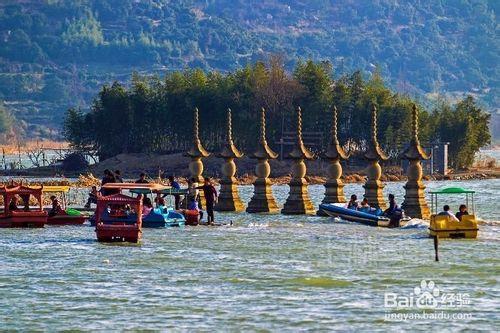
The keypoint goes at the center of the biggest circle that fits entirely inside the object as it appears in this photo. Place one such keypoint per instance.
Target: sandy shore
(131, 165)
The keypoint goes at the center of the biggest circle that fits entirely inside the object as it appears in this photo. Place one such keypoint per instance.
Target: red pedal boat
(26, 217)
(65, 216)
(119, 218)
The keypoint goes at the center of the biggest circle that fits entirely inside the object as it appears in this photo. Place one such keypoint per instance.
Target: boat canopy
(56, 189)
(136, 187)
(452, 190)
(171, 190)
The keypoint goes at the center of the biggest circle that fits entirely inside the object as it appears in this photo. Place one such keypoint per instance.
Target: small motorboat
(163, 217)
(443, 226)
(373, 217)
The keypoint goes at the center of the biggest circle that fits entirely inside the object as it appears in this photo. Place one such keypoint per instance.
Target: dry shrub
(87, 180)
(485, 162)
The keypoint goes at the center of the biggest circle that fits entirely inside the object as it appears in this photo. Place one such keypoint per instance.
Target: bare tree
(36, 155)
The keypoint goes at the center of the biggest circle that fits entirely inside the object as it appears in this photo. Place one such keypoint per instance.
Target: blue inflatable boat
(373, 217)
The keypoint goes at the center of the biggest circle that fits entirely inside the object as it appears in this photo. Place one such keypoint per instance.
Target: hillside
(56, 54)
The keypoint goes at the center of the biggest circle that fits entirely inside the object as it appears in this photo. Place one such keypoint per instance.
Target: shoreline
(131, 165)
(88, 180)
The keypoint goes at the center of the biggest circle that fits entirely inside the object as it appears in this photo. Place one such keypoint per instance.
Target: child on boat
(193, 205)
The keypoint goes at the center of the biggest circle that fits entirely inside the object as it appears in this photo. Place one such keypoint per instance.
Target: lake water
(267, 272)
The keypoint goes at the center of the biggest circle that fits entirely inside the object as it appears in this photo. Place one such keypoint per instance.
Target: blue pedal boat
(163, 217)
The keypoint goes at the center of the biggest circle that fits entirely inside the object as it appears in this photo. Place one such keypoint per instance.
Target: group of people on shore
(193, 199)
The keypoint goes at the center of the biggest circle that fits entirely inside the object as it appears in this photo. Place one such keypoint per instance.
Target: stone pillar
(334, 187)
(197, 153)
(298, 201)
(373, 186)
(229, 198)
(414, 203)
(263, 200)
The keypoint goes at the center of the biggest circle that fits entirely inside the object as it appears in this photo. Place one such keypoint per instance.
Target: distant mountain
(56, 53)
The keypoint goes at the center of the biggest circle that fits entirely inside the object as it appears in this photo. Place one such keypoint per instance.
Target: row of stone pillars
(298, 201)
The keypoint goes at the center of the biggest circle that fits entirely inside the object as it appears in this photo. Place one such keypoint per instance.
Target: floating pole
(436, 246)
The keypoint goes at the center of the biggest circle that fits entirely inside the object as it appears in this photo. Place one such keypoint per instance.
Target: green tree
(466, 128)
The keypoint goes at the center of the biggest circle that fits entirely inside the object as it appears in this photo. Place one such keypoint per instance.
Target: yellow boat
(443, 226)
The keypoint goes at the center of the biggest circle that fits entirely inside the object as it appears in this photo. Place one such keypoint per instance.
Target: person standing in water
(175, 186)
(210, 198)
(193, 192)
(109, 177)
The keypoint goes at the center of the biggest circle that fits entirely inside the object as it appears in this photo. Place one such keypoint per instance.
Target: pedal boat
(22, 218)
(114, 223)
(163, 216)
(66, 216)
(443, 226)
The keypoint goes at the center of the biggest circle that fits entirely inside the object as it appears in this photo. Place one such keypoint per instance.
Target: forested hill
(56, 53)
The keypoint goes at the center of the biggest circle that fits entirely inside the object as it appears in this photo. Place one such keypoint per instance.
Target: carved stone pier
(373, 186)
(414, 203)
(229, 198)
(197, 153)
(263, 200)
(334, 187)
(298, 201)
